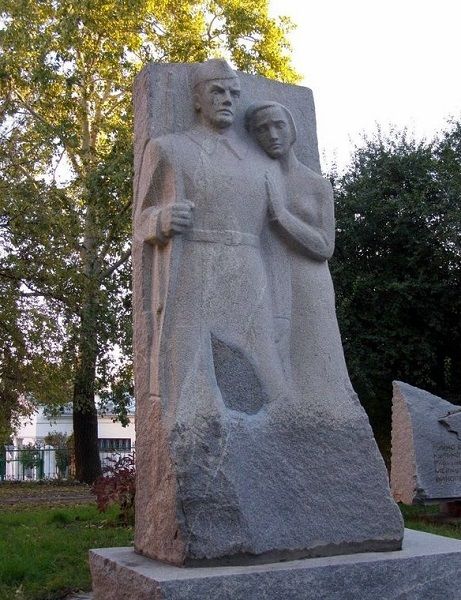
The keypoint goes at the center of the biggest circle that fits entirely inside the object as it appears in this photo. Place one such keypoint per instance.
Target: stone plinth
(427, 568)
(426, 447)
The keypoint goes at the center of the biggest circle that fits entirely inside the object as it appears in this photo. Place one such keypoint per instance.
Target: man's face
(272, 131)
(217, 101)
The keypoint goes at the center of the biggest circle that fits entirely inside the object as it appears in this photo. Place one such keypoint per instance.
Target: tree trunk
(85, 417)
(87, 461)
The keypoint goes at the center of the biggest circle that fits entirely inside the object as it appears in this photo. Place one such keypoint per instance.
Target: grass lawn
(44, 550)
(414, 519)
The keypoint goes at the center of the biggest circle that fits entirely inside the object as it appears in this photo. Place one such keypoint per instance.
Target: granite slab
(427, 568)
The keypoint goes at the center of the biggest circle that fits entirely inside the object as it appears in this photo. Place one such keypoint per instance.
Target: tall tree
(397, 267)
(66, 71)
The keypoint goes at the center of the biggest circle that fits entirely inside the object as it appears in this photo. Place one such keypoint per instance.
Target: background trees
(66, 72)
(397, 267)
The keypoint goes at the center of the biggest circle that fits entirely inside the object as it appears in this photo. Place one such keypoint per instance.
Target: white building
(29, 458)
(111, 435)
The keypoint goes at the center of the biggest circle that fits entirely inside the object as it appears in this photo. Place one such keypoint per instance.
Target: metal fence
(32, 463)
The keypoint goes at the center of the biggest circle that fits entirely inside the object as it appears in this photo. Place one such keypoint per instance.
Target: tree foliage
(397, 266)
(66, 72)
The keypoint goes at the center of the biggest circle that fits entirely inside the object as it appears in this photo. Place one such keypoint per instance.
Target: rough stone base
(427, 568)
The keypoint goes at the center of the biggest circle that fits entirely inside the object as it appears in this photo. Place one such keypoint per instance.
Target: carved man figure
(204, 188)
(213, 353)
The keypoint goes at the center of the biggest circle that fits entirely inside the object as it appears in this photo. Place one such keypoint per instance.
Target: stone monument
(426, 447)
(252, 444)
(252, 447)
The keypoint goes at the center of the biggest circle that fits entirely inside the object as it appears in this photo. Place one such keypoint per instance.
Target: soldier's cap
(215, 68)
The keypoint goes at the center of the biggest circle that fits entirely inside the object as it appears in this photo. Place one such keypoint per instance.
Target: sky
(396, 62)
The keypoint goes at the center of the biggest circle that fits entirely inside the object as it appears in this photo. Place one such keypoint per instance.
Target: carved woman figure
(329, 434)
(301, 204)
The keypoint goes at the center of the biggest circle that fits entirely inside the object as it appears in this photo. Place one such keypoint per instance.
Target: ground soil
(16, 494)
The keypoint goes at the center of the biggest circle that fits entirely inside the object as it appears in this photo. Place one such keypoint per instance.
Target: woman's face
(272, 130)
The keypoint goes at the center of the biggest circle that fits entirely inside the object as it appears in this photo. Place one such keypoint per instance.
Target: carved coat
(209, 300)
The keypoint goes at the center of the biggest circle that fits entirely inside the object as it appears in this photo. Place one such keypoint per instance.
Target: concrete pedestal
(427, 568)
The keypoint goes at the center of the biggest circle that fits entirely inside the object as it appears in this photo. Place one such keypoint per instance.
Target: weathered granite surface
(427, 568)
(426, 446)
(251, 443)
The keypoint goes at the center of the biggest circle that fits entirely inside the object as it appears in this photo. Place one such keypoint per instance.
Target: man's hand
(175, 218)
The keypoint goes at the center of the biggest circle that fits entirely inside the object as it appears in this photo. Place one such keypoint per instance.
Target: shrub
(30, 457)
(56, 439)
(60, 442)
(117, 486)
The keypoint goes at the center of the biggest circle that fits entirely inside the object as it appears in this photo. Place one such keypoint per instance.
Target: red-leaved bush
(117, 486)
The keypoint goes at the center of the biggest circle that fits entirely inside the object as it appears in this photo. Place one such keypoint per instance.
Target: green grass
(44, 551)
(413, 514)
